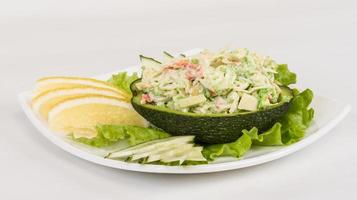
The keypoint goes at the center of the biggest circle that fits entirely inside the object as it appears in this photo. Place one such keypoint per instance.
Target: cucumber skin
(208, 129)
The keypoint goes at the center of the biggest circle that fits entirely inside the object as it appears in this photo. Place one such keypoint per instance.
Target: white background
(87, 37)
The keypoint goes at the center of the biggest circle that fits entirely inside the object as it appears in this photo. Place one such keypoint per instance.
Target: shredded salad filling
(228, 81)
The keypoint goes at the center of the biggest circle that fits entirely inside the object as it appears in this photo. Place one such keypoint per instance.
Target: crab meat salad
(223, 82)
(180, 110)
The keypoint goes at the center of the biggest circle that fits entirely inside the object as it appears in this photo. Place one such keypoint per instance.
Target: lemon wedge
(45, 100)
(80, 115)
(53, 82)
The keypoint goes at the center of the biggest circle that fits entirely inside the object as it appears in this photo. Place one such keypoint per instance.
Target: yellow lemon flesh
(76, 105)
(45, 100)
(80, 115)
(50, 83)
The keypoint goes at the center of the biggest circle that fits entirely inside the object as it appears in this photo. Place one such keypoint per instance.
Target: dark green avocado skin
(208, 129)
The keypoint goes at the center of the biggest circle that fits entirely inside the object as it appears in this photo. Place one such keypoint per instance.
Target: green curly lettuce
(271, 137)
(123, 81)
(292, 126)
(234, 149)
(110, 134)
(284, 76)
(298, 117)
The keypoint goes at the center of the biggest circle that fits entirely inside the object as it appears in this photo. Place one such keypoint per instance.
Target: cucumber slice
(167, 57)
(154, 151)
(182, 55)
(175, 154)
(180, 156)
(149, 62)
(193, 154)
(176, 149)
(196, 155)
(152, 145)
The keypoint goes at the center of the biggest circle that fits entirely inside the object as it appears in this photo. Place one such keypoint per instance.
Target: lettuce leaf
(298, 117)
(284, 76)
(291, 126)
(271, 137)
(110, 134)
(235, 149)
(123, 81)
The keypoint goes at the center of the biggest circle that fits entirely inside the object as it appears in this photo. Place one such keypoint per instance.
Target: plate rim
(197, 169)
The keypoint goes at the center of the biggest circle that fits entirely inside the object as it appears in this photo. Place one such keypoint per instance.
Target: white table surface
(87, 37)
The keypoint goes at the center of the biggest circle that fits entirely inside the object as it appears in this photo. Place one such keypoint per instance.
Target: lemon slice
(87, 111)
(43, 102)
(50, 83)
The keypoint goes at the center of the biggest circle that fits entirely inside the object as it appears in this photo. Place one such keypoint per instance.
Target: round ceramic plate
(328, 114)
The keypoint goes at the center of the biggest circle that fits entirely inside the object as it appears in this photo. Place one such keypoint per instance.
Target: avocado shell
(209, 128)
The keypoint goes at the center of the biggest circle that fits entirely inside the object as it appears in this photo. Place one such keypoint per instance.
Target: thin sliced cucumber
(149, 62)
(154, 151)
(180, 155)
(168, 57)
(178, 149)
(192, 154)
(182, 55)
(173, 154)
(196, 155)
(152, 145)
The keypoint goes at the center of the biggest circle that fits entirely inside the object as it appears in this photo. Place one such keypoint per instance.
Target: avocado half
(209, 128)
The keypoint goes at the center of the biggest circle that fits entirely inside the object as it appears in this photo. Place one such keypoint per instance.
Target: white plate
(328, 114)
